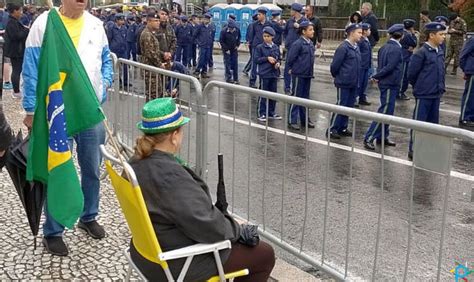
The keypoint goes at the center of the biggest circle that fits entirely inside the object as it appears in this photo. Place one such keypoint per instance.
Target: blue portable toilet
(235, 10)
(270, 9)
(246, 13)
(218, 17)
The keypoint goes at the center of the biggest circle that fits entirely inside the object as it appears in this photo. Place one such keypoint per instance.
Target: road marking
(456, 174)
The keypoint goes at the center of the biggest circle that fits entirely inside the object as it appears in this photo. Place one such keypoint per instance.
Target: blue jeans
(183, 53)
(132, 50)
(204, 54)
(89, 158)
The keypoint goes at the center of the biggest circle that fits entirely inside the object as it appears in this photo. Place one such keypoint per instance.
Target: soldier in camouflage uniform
(457, 30)
(166, 37)
(424, 19)
(150, 46)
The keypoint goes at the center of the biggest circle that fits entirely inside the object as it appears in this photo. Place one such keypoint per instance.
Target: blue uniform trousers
(467, 103)
(124, 78)
(194, 54)
(345, 97)
(253, 72)
(268, 84)
(286, 75)
(183, 54)
(231, 65)
(301, 87)
(363, 81)
(204, 53)
(425, 110)
(248, 65)
(210, 60)
(132, 50)
(404, 81)
(387, 106)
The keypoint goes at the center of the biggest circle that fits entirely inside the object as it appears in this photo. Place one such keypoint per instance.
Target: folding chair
(145, 241)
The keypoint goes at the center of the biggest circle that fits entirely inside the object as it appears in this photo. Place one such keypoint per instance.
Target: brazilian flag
(66, 104)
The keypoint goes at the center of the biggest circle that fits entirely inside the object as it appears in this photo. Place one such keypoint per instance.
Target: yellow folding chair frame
(133, 206)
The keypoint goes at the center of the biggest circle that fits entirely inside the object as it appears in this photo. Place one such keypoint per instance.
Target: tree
(425, 4)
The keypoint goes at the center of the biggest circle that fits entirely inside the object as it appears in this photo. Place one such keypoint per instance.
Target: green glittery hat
(161, 115)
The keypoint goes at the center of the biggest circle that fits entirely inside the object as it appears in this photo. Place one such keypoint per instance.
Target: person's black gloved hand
(249, 235)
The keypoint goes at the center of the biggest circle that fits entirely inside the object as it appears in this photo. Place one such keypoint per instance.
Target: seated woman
(180, 205)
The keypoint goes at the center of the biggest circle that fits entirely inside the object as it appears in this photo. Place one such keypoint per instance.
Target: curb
(286, 272)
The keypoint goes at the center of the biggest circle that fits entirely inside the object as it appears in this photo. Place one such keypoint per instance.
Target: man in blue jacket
(466, 62)
(291, 35)
(409, 43)
(365, 64)
(426, 74)
(388, 76)
(344, 68)
(132, 37)
(230, 42)
(204, 35)
(248, 66)
(117, 36)
(194, 24)
(278, 26)
(184, 39)
(256, 38)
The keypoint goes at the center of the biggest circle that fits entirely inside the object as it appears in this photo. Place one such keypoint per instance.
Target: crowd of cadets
(398, 63)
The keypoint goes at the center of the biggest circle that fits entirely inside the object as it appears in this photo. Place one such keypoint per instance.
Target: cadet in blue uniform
(230, 42)
(291, 35)
(184, 39)
(388, 76)
(409, 43)
(466, 62)
(300, 62)
(365, 64)
(278, 26)
(443, 20)
(426, 74)
(131, 37)
(210, 61)
(117, 36)
(204, 35)
(346, 60)
(194, 24)
(256, 38)
(267, 57)
(248, 66)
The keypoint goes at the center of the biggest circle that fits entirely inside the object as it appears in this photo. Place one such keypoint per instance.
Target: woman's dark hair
(300, 30)
(355, 18)
(11, 7)
(397, 35)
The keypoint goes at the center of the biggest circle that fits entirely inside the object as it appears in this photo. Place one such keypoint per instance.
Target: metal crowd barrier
(125, 102)
(307, 202)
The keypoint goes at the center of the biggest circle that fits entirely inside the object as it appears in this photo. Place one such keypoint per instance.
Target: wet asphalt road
(313, 180)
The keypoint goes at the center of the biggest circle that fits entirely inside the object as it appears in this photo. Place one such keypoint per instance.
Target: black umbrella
(32, 194)
(221, 202)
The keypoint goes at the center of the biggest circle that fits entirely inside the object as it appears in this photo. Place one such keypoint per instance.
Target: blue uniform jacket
(426, 72)
(466, 60)
(230, 40)
(204, 35)
(184, 34)
(300, 58)
(117, 39)
(290, 33)
(389, 71)
(408, 40)
(265, 69)
(255, 33)
(345, 65)
(132, 32)
(365, 54)
(278, 39)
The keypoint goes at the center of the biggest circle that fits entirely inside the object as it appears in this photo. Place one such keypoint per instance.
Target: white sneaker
(17, 95)
(276, 117)
(262, 118)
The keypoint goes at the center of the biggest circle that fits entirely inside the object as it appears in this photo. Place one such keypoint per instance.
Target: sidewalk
(89, 259)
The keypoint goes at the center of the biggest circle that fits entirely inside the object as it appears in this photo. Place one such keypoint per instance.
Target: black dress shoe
(55, 246)
(410, 156)
(466, 123)
(94, 229)
(346, 132)
(364, 103)
(310, 125)
(333, 135)
(387, 142)
(369, 145)
(293, 126)
(204, 75)
(403, 97)
(229, 81)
